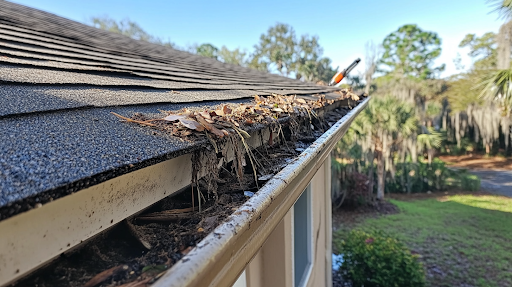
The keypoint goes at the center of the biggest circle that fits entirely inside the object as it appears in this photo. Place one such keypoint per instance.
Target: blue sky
(343, 26)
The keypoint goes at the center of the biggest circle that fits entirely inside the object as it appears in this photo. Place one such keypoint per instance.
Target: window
(302, 238)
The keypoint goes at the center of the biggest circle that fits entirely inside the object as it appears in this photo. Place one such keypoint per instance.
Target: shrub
(422, 177)
(470, 182)
(377, 260)
(357, 189)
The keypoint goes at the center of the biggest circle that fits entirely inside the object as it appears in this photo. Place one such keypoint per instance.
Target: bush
(469, 182)
(357, 189)
(422, 177)
(377, 260)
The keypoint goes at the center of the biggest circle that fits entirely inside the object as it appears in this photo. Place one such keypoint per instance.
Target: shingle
(60, 81)
(42, 152)
(21, 99)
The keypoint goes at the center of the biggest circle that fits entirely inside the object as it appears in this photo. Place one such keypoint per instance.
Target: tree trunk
(409, 179)
(430, 155)
(503, 51)
(371, 180)
(380, 176)
(487, 148)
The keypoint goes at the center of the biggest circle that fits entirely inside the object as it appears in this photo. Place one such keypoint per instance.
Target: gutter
(222, 256)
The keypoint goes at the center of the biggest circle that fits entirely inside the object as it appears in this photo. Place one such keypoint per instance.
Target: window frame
(304, 279)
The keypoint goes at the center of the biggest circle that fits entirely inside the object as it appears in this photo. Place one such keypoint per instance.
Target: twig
(212, 142)
(133, 121)
(199, 196)
(250, 158)
(192, 191)
(137, 235)
(99, 278)
(163, 216)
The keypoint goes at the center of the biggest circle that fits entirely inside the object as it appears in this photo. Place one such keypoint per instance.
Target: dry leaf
(219, 112)
(210, 127)
(191, 124)
(226, 110)
(277, 110)
(173, 118)
(205, 115)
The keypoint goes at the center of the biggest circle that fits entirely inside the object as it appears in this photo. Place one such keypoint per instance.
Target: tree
(275, 49)
(382, 128)
(324, 70)
(236, 57)
(279, 50)
(483, 49)
(428, 141)
(371, 60)
(207, 50)
(411, 52)
(306, 57)
(503, 8)
(128, 28)
(498, 87)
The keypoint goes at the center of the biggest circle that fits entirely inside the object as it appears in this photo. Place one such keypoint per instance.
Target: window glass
(302, 237)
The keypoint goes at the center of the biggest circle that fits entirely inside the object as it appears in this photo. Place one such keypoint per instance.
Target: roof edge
(232, 245)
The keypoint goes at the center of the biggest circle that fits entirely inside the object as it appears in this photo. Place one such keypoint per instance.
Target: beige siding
(273, 264)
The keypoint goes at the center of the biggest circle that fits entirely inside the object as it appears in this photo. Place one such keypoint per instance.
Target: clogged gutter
(137, 252)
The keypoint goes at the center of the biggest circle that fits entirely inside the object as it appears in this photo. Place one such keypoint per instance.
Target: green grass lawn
(463, 240)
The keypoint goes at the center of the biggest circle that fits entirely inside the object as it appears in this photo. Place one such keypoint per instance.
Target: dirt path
(495, 172)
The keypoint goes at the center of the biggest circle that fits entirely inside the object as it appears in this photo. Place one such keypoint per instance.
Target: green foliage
(386, 115)
(461, 91)
(280, 50)
(411, 52)
(498, 87)
(469, 182)
(482, 49)
(503, 8)
(128, 28)
(423, 177)
(207, 50)
(276, 47)
(235, 57)
(377, 260)
(431, 139)
(465, 238)
(381, 129)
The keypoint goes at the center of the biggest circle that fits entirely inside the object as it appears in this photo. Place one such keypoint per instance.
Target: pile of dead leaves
(234, 118)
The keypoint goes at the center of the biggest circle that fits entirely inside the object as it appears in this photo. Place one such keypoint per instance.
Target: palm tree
(504, 8)
(381, 128)
(498, 87)
(429, 141)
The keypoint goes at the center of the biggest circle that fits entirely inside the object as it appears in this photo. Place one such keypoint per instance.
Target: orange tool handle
(340, 75)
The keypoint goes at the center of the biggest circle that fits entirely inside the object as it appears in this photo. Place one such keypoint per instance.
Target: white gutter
(222, 256)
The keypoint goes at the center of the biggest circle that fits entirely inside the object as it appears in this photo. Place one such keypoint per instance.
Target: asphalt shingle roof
(59, 81)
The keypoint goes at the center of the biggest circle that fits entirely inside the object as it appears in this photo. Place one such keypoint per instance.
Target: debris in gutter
(105, 275)
(175, 225)
(234, 118)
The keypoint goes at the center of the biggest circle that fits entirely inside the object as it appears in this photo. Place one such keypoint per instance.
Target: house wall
(274, 263)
